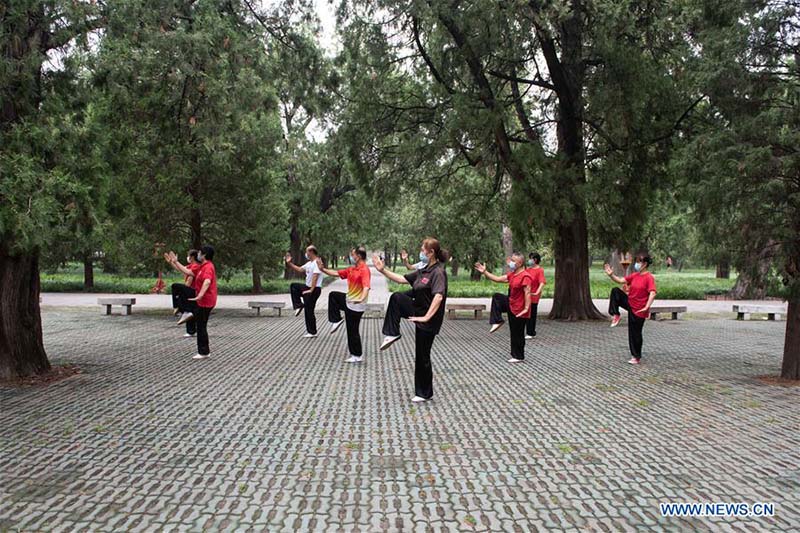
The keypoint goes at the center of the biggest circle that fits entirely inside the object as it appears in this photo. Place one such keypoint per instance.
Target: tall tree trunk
(508, 241)
(88, 271)
(790, 369)
(455, 265)
(572, 299)
(723, 270)
(21, 348)
(752, 281)
(296, 249)
(196, 226)
(616, 263)
(257, 288)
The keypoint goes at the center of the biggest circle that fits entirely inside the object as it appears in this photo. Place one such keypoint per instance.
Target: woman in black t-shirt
(424, 305)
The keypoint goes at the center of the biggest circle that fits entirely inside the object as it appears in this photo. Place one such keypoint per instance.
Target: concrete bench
(477, 309)
(374, 311)
(773, 312)
(275, 306)
(126, 304)
(674, 310)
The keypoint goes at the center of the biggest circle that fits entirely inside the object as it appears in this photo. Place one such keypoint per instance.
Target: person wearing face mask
(354, 303)
(305, 296)
(640, 297)
(423, 305)
(206, 299)
(416, 266)
(537, 275)
(181, 292)
(517, 303)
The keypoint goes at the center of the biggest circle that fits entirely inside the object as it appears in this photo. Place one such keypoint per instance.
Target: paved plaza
(274, 432)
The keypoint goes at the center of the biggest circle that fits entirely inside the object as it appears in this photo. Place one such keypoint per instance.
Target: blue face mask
(512, 266)
(423, 258)
(637, 267)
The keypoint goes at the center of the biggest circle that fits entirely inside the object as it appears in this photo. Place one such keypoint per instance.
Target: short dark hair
(646, 259)
(361, 252)
(536, 257)
(193, 254)
(208, 252)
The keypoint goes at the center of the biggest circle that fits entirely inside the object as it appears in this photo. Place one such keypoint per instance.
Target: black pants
(516, 326)
(337, 303)
(307, 303)
(619, 300)
(423, 370)
(180, 300)
(530, 326)
(201, 320)
(401, 305)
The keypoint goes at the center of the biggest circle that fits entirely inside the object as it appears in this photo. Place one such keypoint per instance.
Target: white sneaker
(514, 360)
(495, 327)
(336, 325)
(419, 399)
(354, 359)
(185, 317)
(200, 356)
(298, 311)
(388, 341)
(188, 335)
(309, 335)
(528, 337)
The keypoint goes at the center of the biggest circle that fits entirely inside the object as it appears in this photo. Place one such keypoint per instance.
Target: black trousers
(201, 317)
(401, 305)
(337, 304)
(180, 300)
(423, 369)
(617, 301)
(530, 326)
(307, 303)
(516, 326)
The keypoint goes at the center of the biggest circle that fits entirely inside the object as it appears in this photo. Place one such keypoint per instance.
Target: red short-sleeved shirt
(517, 281)
(207, 271)
(195, 268)
(641, 285)
(358, 279)
(537, 275)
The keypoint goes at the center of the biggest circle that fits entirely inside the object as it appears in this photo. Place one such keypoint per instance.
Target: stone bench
(477, 309)
(275, 306)
(374, 311)
(126, 304)
(675, 310)
(773, 312)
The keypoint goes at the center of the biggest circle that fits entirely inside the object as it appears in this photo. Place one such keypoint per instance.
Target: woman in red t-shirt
(517, 303)
(641, 293)
(206, 299)
(537, 275)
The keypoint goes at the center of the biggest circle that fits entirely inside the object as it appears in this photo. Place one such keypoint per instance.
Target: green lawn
(71, 280)
(686, 285)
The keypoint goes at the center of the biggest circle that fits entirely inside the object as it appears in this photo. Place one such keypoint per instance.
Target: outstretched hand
(378, 262)
(403, 255)
(170, 257)
(320, 264)
(419, 319)
(608, 269)
(288, 258)
(480, 267)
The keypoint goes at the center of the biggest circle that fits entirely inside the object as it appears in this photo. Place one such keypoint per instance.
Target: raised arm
(288, 259)
(328, 271)
(380, 266)
(483, 270)
(610, 273)
(172, 258)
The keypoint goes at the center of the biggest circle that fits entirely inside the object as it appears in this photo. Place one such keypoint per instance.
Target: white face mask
(512, 266)
(637, 267)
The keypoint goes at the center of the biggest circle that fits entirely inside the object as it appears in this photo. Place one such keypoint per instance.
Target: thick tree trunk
(455, 265)
(296, 249)
(508, 241)
(572, 299)
(790, 369)
(616, 263)
(88, 271)
(196, 226)
(21, 348)
(723, 270)
(257, 288)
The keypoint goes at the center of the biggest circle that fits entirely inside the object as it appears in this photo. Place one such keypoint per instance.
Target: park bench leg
(478, 314)
(127, 310)
(652, 316)
(449, 314)
(674, 316)
(107, 310)
(777, 316)
(258, 311)
(279, 312)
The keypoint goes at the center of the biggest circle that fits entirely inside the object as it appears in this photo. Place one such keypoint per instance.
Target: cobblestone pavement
(274, 432)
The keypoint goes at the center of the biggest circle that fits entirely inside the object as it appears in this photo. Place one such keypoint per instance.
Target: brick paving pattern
(274, 432)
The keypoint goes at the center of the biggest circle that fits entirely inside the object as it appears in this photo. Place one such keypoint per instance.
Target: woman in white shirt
(305, 296)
